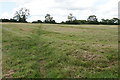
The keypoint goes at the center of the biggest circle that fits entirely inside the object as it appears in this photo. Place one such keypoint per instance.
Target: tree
(92, 19)
(8, 20)
(13, 20)
(115, 20)
(49, 19)
(71, 17)
(22, 15)
(104, 21)
(38, 21)
(62, 22)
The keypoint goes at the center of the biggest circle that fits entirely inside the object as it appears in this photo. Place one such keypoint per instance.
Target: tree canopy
(22, 15)
(49, 19)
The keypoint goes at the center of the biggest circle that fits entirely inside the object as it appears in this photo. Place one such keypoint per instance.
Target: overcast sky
(60, 9)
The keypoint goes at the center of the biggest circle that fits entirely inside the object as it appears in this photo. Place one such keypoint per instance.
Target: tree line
(22, 15)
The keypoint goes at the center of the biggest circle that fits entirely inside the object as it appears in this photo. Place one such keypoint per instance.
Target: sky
(60, 9)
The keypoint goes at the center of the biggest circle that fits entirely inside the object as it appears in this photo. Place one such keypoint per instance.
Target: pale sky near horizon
(60, 9)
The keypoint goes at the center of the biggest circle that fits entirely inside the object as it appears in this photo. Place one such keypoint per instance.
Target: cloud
(59, 9)
(6, 15)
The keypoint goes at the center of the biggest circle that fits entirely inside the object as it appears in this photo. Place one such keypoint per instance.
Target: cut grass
(59, 51)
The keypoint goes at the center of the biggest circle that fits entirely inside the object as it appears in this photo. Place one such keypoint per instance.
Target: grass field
(60, 51)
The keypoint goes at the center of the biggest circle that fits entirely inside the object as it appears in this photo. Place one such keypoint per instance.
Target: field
(60, 51)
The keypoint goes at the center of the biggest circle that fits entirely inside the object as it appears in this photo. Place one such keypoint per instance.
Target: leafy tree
(76, 22)
(38, 21)
(62, 22)
(83, 21)
(13, 20)
(8, 20)
(104, 21)
(49, 19)
(22, 15)
(71, 17)
(115, 20)
(92, 19)
(4, 20)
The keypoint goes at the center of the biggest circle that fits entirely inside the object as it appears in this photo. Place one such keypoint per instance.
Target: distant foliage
(92, 19)
(114, 21)
(8, 20)
(22, 15)
(71, 17)
(75, 22)
(38, 21)
(49, 19)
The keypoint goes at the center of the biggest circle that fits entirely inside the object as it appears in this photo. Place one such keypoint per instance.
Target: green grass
(60, 51)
